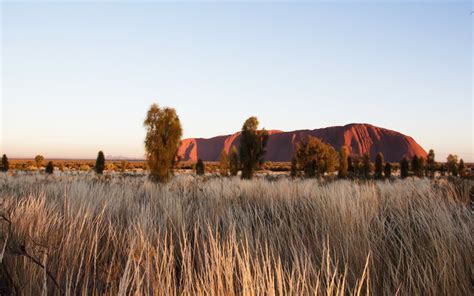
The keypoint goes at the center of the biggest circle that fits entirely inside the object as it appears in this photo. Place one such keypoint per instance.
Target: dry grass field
(84, 235)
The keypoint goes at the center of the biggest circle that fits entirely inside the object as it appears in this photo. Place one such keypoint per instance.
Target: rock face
(360, 138)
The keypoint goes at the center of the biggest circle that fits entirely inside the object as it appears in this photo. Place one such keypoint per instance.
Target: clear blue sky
(80, 77)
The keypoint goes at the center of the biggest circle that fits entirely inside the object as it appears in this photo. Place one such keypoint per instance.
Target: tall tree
(379, 166)
(162, 141)
(404, 168)
(315, 157)
(200, 167)
(252, 147)
(100, 163)
(223, 163)
(387, 171)
(431, 164)
(5, 165)
(39, 160)
(452, 163)
(343, 162)
(49, 168)
(233, 161)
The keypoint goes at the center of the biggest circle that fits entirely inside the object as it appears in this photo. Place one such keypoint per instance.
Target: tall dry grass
(126, 236)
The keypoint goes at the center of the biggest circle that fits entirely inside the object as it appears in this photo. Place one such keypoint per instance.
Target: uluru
(361, 138)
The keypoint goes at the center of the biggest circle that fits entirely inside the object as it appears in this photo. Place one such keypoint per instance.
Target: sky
(78, 77)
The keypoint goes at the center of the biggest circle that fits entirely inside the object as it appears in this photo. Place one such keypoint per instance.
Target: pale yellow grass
(127, 236)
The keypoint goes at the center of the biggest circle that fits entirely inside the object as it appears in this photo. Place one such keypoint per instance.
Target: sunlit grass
(230, 237)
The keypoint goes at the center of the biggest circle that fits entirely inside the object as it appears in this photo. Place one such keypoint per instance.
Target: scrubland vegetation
(337, 224)
(89, 234)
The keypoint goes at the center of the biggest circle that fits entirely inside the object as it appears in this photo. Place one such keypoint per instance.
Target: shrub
(417, 165)
(388, 170)
(5, 166)
(452, 163)
(366, 166)
(294, 167)
(315, 157)
(379, 162)
(84, 167)
(123, 166)
(431, 164)
(39, 160)
(404, 168)
(233, 161)
(343, 162)
(49, 168)
(223, 163)
(200, 167)
(162, 141)
(100, 163)
(461, 168)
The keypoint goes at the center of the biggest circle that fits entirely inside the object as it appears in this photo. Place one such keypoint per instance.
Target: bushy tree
(252, 147)
(387, 171)
(404, 168)
(200, 167)
(366, 166)
(49, 168)
(452, 163)
(379, 166)
(5, 165)
(315, 157)
(431, 164)
(162, 141)
(223, 163)
(100, 163)
(39, 160)
(233, 161)
(461, 168)
(343, 170)
(294, 167)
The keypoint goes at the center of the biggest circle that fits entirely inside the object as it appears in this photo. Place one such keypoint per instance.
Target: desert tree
(100, 163)
(223, 163)
(252, 147)
(379, 166)
(452, 163)
(39, 160)
(315, 157)
(199, 167)
(461, 168)
(162, 141)
(366, 166)
(294, 167)
(431, 164)
(343, 162)
(49, 168)
(5, 165)
(387, 171)
(404, 168)
(233, 161)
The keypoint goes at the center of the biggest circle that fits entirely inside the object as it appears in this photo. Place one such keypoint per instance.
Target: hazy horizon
(79, 77)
